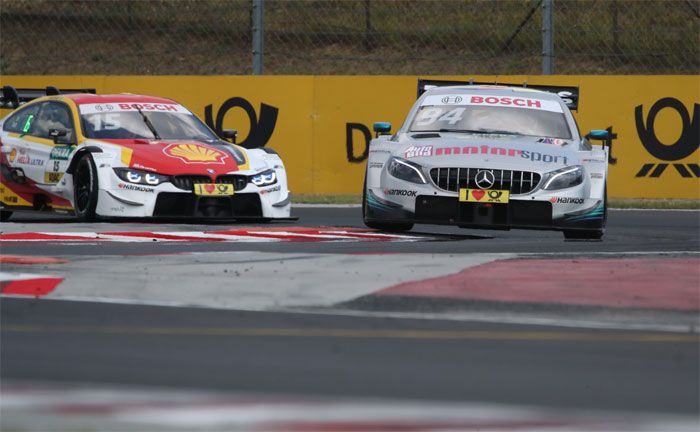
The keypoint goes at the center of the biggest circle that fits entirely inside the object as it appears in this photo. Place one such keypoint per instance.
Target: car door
(49, 160)
(54, 116)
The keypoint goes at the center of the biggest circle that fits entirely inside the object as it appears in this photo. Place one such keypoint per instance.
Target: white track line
(9, 277)
(226, 237)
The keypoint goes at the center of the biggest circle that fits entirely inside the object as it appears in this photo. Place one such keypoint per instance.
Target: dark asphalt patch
(622, 375)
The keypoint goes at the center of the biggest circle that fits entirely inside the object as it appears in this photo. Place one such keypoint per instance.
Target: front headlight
(405, 170)
(140, 177)
(563, 178)
(265, 178)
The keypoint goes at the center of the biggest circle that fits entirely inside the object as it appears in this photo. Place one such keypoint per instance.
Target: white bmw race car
(127, 155)
(488, 156)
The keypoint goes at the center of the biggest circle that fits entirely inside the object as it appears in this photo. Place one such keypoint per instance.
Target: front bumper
(518, 213)
(119, 199)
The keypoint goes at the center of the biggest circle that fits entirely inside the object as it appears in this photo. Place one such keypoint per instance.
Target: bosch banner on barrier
(321, 125)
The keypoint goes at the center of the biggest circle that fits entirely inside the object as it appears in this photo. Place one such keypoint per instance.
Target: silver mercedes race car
(488, 156)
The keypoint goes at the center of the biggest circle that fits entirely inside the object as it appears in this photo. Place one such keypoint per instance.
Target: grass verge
(641, 203)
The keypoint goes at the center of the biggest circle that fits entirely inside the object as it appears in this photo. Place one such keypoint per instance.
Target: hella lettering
(493, 100)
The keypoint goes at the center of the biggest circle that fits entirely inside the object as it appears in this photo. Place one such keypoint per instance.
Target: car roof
(88, 98)
(493, 90)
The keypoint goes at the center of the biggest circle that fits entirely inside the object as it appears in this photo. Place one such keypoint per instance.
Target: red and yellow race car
(126, 155)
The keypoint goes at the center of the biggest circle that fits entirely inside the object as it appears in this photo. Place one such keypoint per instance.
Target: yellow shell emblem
(194, 153)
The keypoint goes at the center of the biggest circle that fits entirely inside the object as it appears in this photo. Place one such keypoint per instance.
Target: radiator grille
(452, 179)
(186, 182)
(239, 182)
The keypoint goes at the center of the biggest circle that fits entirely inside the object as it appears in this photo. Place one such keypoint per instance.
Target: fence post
(258, 36)
(547, 37)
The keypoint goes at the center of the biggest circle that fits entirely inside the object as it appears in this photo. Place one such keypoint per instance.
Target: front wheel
(85, 189)
(383, 226)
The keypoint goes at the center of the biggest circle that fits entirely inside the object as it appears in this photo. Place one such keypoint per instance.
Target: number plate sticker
(211, 189)
(484, 196)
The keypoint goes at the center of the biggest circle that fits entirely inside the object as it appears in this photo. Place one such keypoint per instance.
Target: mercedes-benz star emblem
(485, 179)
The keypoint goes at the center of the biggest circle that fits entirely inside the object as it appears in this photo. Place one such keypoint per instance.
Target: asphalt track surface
(627, 231)
(331, 355)
(364, 356)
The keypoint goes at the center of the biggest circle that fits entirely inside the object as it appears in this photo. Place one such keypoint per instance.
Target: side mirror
(58, 136)
(597, 134)
(381, 128)
(229, 134)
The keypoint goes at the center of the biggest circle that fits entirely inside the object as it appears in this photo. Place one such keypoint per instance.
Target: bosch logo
(452, 99)
(485, 179)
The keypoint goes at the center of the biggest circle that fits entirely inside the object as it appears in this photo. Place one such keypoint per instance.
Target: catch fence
(435, 37)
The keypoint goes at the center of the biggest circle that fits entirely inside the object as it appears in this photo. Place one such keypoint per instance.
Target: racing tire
(595, 234)
(5, 215)
(382, 226)
(85, 185)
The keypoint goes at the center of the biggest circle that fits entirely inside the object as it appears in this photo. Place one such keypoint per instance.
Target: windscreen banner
(321, 125)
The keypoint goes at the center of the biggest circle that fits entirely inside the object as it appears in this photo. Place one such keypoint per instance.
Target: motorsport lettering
(484, 149)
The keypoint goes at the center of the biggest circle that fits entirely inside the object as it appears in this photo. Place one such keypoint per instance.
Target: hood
(182, 157)
(488, 151)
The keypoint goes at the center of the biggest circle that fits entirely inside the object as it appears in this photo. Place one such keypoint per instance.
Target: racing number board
(211, 189)
(484, 196)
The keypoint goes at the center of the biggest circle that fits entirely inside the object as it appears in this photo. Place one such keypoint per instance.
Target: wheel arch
(78, 154)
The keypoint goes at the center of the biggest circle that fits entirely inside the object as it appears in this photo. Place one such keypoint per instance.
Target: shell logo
(195, 153)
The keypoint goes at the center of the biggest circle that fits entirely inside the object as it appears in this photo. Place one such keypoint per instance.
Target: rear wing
(11, 97)
(568, 94)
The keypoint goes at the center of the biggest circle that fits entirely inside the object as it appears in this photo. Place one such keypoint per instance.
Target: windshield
(131, 121)
(491, 119)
